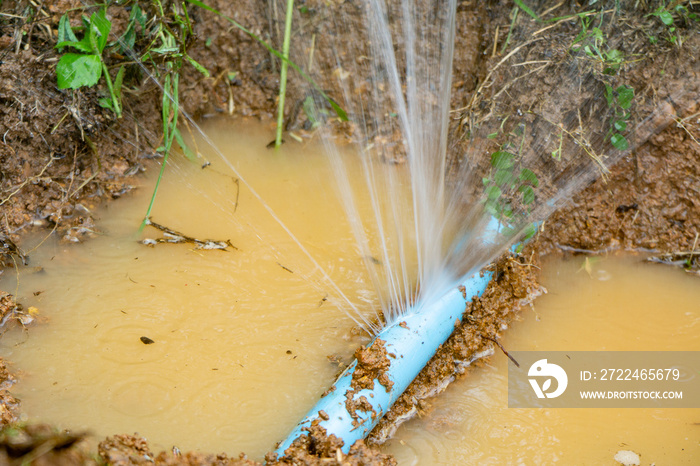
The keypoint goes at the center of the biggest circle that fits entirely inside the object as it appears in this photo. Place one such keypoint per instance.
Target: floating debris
(175, 237)
(687, 260)
(146, 341)
(11, 310)
(627, 457)
(9, 250)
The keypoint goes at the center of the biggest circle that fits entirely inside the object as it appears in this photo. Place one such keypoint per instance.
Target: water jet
(409, 345)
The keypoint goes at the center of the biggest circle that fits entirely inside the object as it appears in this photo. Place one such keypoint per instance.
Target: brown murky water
(614, 304)
(241, 338)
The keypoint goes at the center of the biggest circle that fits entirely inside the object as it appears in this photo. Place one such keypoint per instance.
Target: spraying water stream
(430, 219)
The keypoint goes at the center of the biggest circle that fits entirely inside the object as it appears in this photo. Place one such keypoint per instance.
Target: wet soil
(62, 153)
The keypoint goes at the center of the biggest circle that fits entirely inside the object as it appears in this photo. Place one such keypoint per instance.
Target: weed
(84, 69)
(668, 15)
(527, 10)
(556, 154)
(506, 176)
(314, 114)
(519, 5)
(171, 32)
(592, 42)
(283, 72)
(620, 101)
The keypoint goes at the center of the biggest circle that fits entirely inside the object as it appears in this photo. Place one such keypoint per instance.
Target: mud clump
(317, 448)
(43, 445)
(9, 405)
(128, 450)
(372, 363)
(314, 448)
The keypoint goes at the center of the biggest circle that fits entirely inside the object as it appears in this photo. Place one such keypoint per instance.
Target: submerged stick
(175, 237)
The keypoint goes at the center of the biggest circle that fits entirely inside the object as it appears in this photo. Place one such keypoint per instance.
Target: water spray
(350, 414)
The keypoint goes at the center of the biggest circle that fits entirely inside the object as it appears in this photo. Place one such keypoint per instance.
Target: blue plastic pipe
(412, 342)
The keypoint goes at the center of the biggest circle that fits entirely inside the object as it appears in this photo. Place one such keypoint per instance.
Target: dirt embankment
(61, 153)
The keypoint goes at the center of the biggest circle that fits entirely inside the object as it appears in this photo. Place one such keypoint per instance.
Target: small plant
(556, 153)
(315, 114)
(507, 175)
(666, 15)
(593, 43)
(620, 101)
(172, 30)
(85, 68)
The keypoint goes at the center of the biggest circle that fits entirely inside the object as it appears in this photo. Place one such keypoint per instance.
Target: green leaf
(625, 94)
(128, 40)
(609, 95)
(507, 231)
(181, 142)
(118, 83)
(106, 102)
(76, 70)
(492, 135)
(527, 9)
(65, 32)
(619, 142)
(197, 66)
(614, 56)
(503, 177)
(493, 192)
(506, 209)
(528, 175)
(165, 49)
(83, 45)
(529, 231)
(528, 194)
(620, 125)
(138, 15)
(100, 27)
(666, 17)
(502, 159)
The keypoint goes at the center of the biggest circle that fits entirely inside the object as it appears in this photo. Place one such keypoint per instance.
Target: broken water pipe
(350, 410)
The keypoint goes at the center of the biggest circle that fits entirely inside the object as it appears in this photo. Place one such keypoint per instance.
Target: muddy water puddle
(608, 304)
(241, 337)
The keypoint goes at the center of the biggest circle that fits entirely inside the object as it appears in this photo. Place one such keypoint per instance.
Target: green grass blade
(283, 72)
(527, 10)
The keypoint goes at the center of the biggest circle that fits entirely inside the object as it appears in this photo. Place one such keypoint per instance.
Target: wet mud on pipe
(349, 412)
